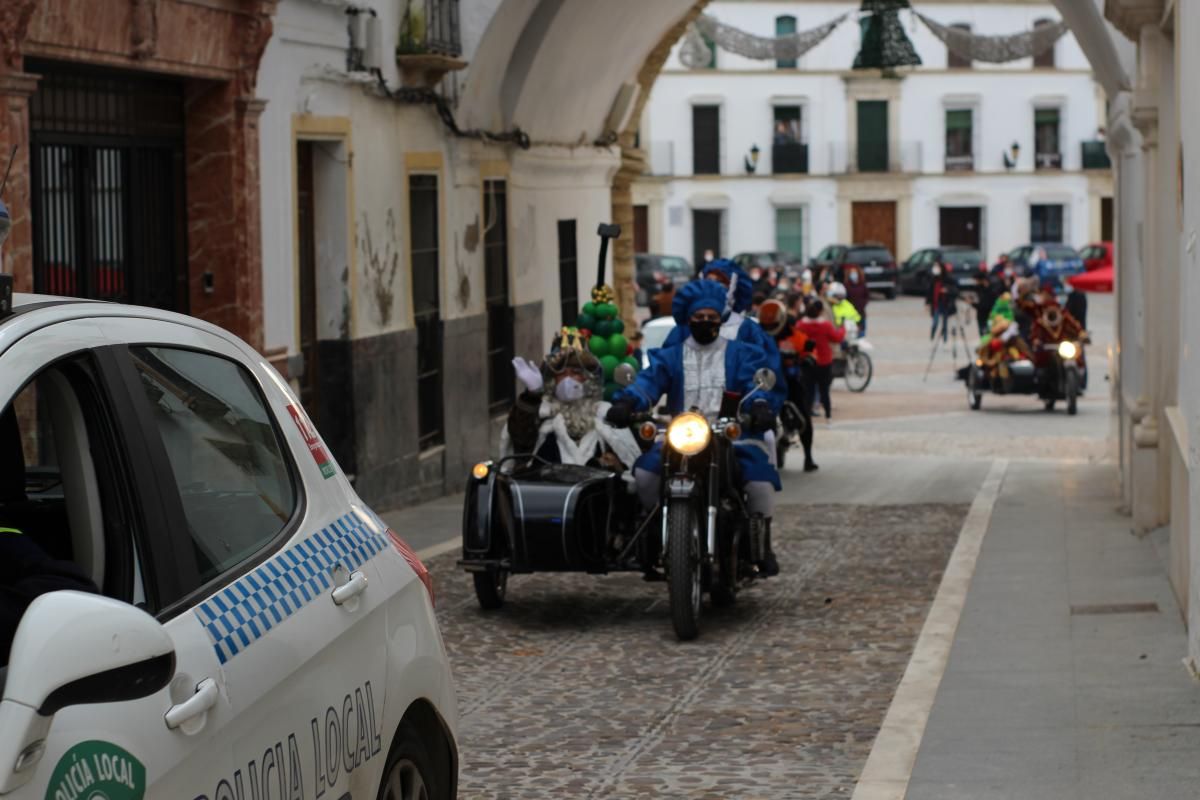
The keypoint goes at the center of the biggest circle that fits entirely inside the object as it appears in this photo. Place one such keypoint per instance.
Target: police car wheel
(409, 774)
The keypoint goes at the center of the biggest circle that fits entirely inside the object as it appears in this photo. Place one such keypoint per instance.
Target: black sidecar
(524, 515)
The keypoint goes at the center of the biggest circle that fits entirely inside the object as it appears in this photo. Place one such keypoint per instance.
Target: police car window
(226, 458)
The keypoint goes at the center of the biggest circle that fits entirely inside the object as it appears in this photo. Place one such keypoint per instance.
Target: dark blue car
(1051, 263)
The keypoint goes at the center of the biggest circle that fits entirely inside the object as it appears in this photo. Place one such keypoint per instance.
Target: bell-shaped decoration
(885, 45)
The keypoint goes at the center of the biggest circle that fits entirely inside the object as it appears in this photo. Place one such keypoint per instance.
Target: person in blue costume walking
(739, 294)
(696, 373)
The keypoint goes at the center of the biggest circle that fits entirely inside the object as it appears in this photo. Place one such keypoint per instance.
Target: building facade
(792, 156)
(135, 175)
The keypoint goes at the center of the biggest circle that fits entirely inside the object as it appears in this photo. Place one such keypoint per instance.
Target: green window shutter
(958, 120)
(1048, 116)
(789, 231)
(872, 136)
(785, 26)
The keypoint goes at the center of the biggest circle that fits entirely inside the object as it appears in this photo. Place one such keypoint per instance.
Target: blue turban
(741, 283)
(695, 295)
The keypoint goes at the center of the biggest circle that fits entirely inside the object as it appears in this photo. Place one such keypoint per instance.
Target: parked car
(877, 263)
(765, 260)
(238, 607)
(1050, 262)
(657, 278)
(964, 263)
(825, 259)
(1097, 256)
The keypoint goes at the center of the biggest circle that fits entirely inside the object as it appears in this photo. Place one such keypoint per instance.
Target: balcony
(960, 163)
(1095, 155)
(789, 159)
(1048, 160)
(430, 42)
(901, 157)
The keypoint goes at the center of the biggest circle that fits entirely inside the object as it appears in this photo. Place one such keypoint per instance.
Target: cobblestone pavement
(578, 688)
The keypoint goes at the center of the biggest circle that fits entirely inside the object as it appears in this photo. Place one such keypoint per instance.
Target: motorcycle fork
(713, 500)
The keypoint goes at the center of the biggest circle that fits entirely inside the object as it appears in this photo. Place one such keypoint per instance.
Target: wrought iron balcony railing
(430, 27)
(789, 158)
(960, 163)
(1048, 160)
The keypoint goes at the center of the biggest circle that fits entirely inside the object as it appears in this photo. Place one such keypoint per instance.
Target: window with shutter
(953, 60)
(959, 138)
(1048, 154)
(706, 141)
(785, 26)
(872, 136)
(789, 231)
(568, 274)
(424, 255)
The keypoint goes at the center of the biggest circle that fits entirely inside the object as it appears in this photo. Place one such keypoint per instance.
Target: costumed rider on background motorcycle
(559, 416)
(841, 308)
(696, 373)
(739, 296)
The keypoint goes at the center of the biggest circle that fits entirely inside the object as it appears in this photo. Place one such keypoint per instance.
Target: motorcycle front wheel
(858, 371)
(490, 588)
(683, 568)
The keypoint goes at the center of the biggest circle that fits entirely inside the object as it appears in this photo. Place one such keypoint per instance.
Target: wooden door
(306, 216)
(874, 222)
(706, 235)
(641, 229)
(959, 226)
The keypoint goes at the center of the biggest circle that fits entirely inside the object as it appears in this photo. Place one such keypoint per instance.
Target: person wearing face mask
(558, 415)
(942, 300)
(739, 301)
(697, 372)
(859, 295)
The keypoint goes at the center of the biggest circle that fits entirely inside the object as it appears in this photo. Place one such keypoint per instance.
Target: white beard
(579, 416)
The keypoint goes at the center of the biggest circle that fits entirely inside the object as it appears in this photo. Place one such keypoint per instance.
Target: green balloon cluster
(606, 340)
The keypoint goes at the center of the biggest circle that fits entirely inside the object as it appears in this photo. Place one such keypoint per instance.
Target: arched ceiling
(554, 67)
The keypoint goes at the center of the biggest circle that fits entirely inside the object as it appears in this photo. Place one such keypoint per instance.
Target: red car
(1097, 255)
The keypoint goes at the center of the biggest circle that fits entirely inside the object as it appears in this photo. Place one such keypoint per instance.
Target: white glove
(528, 374)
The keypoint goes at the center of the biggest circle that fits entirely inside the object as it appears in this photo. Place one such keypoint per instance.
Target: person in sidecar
(558, 416)
(696, 373)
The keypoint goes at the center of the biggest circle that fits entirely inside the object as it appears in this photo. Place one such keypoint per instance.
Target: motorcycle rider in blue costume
(739, 295)
(696, 373)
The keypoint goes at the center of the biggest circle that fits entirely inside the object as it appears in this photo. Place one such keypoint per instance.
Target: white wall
(1003, 97)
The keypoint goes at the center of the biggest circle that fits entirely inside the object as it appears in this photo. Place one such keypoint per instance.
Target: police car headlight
(1068, 350)
(688, 434)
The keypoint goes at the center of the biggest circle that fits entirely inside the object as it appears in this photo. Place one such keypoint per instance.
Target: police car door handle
(351, 588)
(199, 703)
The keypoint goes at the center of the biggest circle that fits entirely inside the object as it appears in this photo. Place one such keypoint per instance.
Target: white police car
(259, 634)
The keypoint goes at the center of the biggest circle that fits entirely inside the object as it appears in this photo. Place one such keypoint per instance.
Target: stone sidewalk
(1066, 676)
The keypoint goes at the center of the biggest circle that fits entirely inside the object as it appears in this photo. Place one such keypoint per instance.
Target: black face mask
(705, 332)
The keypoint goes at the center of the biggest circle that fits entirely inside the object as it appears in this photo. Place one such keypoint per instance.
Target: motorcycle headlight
(688, 434)
(1068, 350)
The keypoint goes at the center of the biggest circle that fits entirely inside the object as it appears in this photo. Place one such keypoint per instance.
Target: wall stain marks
(381, 266)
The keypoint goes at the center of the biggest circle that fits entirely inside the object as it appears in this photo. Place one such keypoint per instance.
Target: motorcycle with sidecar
(1061, 375)
(524, 515)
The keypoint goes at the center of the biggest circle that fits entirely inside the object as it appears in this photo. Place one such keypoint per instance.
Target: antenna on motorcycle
(606, 231)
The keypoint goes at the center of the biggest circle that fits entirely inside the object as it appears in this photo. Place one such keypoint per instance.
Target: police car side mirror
(73, 648)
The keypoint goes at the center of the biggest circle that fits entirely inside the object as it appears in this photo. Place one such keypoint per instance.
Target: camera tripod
(955, 324)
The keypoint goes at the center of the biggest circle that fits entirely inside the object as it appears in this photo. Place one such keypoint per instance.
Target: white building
(917, 160)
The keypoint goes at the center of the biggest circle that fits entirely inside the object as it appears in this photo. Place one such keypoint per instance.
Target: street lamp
(752, 160)
(1016, 152)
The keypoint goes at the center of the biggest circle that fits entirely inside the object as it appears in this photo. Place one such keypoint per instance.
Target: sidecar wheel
(490, 588)
(683, 569)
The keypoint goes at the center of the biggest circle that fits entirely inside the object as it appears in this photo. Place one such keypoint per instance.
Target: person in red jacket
(824, 334)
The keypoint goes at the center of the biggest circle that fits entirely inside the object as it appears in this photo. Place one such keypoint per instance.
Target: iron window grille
(1048, 153)
(789, 153)
(960, 130)
(108, 185)
(430, 26)
(499, 311)
(426, 266)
